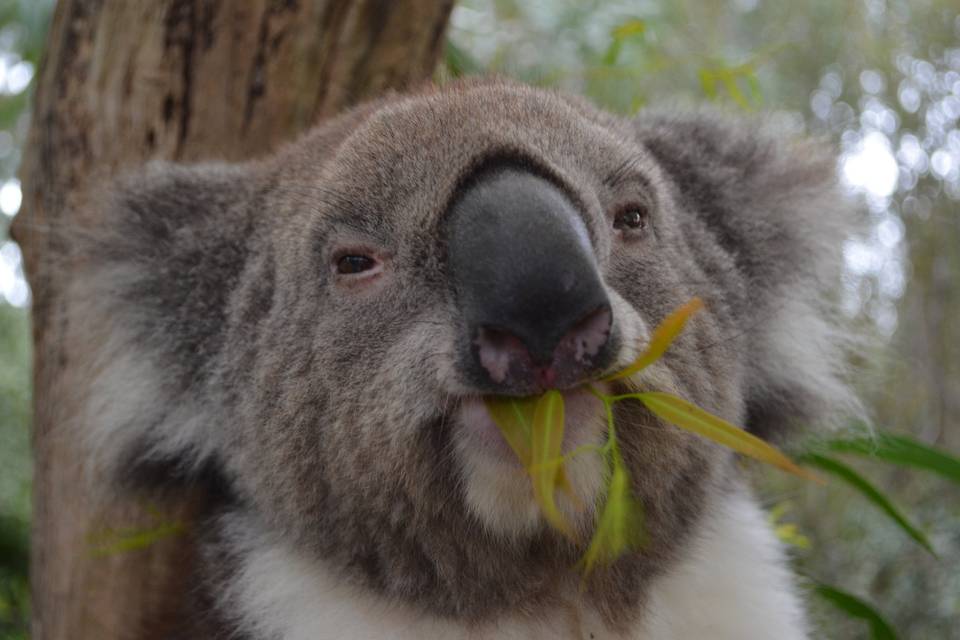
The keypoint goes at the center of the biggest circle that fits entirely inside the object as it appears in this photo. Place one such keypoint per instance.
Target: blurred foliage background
(879, 77)
(23, 27)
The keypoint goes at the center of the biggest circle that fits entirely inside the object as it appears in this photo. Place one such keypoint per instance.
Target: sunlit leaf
(613, 52)
(870, 492)
(629, 29)
(900, 450)
(620, 525)
(787, 532)
(790, 534)
(534, 428)
(634, 27)
(729, 79)
(514, 418)
(691, 417)
(547, 456)
(708, 82)
(853, 606)
(660, 340)
(112, 542)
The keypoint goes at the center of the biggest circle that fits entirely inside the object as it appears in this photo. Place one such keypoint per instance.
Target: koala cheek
(632, 332)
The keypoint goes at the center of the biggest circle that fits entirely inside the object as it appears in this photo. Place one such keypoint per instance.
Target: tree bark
(125, 81)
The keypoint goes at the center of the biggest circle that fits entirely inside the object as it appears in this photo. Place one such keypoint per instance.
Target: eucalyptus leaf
(620, 524)
(870, 492)
(112, 542)
(691, 417)
(900, 450)
(660, 340)
(853, 606)
(547, 456)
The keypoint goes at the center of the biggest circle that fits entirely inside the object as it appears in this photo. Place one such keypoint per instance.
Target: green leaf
(900, 450)
(869, 491)
(853, 606)
(546, 461)
(620, 525)
(625, 31)
(708, 82)
(111, 542)
(729, 79)
(691, 417)
(612, 53)
(514, 418)
(787, 532)
(630, 28)
(660, 340)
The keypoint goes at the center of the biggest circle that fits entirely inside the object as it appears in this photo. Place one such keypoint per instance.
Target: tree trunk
(125, 81)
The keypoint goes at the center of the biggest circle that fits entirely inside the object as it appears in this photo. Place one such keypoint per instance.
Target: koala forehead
(437, 139)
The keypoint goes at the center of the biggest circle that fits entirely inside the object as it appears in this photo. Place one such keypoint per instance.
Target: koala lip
(584, 424)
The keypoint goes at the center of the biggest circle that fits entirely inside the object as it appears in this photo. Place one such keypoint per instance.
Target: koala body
(314, 333)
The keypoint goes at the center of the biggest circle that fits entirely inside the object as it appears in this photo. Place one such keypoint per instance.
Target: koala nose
(527, 284)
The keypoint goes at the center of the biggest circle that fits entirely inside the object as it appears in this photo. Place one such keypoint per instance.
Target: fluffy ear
(771, 202)
(149, 304)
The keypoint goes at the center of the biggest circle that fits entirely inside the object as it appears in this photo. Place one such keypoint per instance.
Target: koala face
(320, 328)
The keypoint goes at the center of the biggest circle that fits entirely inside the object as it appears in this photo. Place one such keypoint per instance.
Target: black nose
(526, 280)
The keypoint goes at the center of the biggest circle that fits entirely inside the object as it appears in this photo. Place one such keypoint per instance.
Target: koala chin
(313, 334)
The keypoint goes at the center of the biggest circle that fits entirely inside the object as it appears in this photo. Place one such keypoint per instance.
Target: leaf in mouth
(534, 426)
(546, 461)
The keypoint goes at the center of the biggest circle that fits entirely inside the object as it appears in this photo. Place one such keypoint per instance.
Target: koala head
(318, 329)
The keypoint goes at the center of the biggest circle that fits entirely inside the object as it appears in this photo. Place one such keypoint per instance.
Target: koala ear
(150, 304)
(769, 201)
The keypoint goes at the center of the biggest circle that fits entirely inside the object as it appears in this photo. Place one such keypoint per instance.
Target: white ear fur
(131, 411)
(147, 305)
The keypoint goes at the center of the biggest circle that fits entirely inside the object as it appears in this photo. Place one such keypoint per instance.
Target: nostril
(585, 340)
(498, 350)
(507, 359)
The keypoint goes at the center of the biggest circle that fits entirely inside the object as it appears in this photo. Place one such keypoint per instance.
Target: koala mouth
(584, 424)
(496, 485)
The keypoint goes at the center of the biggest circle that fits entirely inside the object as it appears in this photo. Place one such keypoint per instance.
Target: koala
(314, 333)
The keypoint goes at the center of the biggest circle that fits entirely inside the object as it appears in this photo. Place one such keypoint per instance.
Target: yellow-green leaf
(708, 82)
(787, 532)
(514, 418)
(729, 78)
(111, 542)
(855, 607)
(870, 492)
(661, 339)
(691, 417)
(547, 456)
(619, 527)
(629, 28)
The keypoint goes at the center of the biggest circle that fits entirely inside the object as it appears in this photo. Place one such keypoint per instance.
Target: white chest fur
(732, 584)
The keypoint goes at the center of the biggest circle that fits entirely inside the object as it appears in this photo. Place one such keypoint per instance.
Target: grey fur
(225, 343)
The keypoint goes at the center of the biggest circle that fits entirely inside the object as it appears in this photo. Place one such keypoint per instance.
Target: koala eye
(631, 217)
(351, 264)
